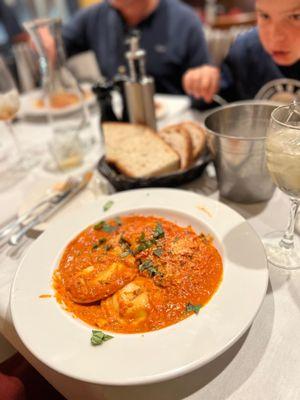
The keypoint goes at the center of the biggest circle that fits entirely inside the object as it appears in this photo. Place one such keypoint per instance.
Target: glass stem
(14, 138)
(288, 238)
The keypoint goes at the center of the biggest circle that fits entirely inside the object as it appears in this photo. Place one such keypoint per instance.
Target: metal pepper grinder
(139, 89)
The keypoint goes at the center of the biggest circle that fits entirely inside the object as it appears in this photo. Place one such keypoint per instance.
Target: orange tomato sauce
(61, 99)
(137, 274)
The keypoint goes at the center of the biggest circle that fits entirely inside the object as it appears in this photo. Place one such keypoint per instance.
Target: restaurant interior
(149, 199)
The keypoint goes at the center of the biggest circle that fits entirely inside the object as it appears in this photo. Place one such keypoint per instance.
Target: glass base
(288, 259)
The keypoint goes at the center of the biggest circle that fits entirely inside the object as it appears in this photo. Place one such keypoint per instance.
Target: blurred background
(223, 21)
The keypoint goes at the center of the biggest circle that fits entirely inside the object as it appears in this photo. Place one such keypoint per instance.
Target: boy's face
(278, 22)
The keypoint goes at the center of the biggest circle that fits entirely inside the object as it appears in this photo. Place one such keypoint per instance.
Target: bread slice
(179, 139)
(137, 151)
(197, 135)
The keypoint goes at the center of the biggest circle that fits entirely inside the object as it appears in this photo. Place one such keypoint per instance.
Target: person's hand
(202, 82)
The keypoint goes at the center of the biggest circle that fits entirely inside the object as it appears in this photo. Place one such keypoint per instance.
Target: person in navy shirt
(271, 51)
(171, 33)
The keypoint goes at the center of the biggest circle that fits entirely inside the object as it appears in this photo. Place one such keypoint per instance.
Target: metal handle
(16, 238)
(7, 229)
(218, 99)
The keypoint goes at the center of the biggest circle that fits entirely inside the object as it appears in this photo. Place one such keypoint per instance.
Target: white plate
(29, 109)
(63, 343)
(161, 109)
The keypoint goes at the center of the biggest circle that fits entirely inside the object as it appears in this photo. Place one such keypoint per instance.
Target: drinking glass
(283, 161)
(63, 98)
(9, 106)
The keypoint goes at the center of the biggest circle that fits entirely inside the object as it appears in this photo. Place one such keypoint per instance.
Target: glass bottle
(120, 80)
(63, 98)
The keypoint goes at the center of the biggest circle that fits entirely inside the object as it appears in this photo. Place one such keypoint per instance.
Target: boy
(267, 53)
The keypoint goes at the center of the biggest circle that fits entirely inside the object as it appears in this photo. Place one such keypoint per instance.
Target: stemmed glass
(9, 106)
(283, 161)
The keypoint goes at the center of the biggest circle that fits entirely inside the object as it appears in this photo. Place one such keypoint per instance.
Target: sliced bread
(180, 141)
(197, 135)
(137, 151)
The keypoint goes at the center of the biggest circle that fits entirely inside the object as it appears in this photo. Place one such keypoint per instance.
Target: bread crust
(185, 149)
(198, 137)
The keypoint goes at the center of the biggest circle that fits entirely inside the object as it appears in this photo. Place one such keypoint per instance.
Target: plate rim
(175, 371)
(28, 110)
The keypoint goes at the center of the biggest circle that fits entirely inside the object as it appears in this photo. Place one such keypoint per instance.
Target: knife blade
(15, 239)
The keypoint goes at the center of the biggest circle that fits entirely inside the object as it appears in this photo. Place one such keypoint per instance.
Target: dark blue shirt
(9, 20)
(172, 37)
(248, 67)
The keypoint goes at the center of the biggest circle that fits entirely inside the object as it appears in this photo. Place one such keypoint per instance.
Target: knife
(51, 199)
(46, 214)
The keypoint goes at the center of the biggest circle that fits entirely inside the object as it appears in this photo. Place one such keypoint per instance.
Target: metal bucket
(236, 138)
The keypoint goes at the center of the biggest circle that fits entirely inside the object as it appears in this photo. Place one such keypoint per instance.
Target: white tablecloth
(264, 364)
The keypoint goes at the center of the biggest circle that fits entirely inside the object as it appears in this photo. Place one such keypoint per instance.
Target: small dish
(177, 178)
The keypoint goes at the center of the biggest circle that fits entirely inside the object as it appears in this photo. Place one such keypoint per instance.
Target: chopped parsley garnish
(123, 242)
(158, 251)
(193, 308)
(126, 247)
(125, 253)
(158, 231)
(107, 205)
(100, 241)
(118, 221)
(142, 237)
(105, 227)
(148, 266)
(143, 243)
(141, 247)
(98, 338)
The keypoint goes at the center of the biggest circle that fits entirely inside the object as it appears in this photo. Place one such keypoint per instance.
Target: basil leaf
(125, 253)
(98, 337)
(158, 251)
(193, 308)
(107, 205)
(109, 228)
(99, 225)
(149, 267)
(158, 231)
(118, 221)
(102, 240)
(105, 227)
(95, 246)
(141, 247)
(142, 237)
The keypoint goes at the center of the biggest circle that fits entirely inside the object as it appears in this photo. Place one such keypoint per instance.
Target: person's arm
(75, 33)
(9, 20)
(230, 71)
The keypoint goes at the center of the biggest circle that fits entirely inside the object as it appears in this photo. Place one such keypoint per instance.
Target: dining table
(264, 364)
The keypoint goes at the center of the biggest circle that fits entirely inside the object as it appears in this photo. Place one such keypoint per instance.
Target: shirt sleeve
(9, 20)
(229, 72)
(197, 51)
(75, 33)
